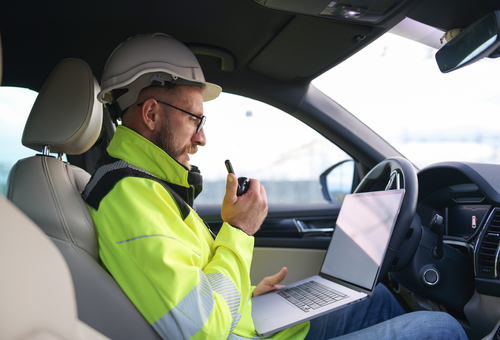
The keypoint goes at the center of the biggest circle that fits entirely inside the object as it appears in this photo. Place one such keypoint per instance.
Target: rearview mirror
(479, 40)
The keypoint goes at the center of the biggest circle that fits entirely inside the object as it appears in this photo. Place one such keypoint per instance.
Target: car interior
(444, 253)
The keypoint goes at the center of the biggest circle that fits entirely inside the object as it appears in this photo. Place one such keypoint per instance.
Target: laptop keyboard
(311, 295)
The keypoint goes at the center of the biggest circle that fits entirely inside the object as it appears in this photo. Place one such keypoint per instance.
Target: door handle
(303, 228)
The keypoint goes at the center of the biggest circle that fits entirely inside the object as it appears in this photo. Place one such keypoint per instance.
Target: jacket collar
(139, 151)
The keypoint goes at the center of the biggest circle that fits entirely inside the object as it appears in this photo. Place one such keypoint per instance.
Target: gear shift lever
(437, 228)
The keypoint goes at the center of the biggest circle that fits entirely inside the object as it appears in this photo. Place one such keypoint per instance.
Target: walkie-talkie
(243, 182)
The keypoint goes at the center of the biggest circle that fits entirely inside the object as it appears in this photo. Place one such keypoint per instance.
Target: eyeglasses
(202, 119)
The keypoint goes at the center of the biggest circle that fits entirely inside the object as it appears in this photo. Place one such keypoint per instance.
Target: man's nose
(199, 138)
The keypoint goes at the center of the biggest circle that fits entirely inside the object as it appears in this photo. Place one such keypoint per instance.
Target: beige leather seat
(38, 300)
(66, 119)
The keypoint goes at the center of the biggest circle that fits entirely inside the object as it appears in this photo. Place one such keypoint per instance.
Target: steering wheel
(395, 173)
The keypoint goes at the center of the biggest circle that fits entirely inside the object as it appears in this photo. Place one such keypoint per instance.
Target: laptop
(349, 272)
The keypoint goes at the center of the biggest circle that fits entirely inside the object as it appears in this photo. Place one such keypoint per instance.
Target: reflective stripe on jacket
(187, 284)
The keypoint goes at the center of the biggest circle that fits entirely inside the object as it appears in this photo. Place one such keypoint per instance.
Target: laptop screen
(359, 243)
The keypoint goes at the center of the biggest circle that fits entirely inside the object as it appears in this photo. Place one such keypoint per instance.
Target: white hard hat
(149, 59)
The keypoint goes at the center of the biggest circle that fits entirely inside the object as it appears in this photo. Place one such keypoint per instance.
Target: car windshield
(395, 87)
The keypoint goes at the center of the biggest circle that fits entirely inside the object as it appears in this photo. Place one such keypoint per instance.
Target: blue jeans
(381, 317)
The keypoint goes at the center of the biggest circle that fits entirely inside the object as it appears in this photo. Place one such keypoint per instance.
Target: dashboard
(466, 197)
(461, 193)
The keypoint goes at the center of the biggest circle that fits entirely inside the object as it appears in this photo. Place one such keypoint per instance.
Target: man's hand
(246, 212)
(270, 283)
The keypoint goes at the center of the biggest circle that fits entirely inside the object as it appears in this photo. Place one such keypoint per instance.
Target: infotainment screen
(464, 220)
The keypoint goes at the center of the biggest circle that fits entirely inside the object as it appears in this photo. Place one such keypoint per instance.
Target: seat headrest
(66, 115)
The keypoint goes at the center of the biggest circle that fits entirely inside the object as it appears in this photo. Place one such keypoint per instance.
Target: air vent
(487, 249)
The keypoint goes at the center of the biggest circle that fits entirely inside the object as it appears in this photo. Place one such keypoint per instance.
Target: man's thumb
(232, 183)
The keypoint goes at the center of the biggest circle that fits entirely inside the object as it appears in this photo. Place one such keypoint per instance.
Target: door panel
(292, 236)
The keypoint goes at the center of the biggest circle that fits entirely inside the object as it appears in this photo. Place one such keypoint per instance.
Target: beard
(165, 140)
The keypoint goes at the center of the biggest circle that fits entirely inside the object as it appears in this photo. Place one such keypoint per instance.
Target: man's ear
(149, 114)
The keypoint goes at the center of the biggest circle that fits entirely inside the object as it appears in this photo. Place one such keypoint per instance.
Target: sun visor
(316, 44)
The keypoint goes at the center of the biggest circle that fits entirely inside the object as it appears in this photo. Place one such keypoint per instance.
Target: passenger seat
(38, 300)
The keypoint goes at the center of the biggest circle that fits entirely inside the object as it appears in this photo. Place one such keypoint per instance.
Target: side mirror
(339, 180)
(479, 40)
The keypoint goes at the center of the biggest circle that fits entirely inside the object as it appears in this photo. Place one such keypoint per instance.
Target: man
(187, 282)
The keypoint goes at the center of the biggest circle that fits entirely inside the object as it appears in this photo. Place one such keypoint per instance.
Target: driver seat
(67, 118)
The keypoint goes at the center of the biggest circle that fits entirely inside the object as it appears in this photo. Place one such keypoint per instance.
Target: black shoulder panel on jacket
(112, 170)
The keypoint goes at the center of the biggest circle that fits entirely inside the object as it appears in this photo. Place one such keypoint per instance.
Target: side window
(15, 106)
(262, 142)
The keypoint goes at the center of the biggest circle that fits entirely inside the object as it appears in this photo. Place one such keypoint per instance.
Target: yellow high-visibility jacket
(186, 282)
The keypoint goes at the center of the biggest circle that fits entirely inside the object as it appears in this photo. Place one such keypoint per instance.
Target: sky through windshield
(395, 87)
